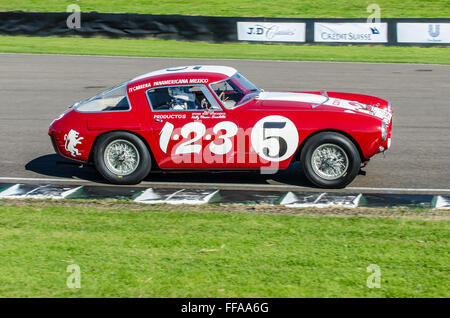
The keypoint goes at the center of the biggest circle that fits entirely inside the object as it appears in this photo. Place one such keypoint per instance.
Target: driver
(182, 98)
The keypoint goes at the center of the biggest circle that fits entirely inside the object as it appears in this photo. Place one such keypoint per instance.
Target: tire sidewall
(347, 145)
(141, 171)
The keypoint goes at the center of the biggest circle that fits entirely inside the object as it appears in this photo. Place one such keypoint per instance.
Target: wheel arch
(296, 156)
(91, 153)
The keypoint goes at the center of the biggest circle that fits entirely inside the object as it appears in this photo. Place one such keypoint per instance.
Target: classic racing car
(213, 118)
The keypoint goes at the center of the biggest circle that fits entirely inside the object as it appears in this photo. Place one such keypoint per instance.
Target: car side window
(181, 97)
(114, 99)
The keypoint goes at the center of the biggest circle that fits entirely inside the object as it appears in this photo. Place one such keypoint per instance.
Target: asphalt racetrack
(34, 89)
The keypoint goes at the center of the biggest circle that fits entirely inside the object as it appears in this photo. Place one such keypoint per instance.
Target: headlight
(384, 131)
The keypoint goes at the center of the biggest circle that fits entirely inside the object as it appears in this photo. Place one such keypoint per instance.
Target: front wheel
(330, 160)
(122, 158)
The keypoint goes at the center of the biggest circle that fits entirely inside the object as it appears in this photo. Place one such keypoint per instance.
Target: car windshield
(235, 91)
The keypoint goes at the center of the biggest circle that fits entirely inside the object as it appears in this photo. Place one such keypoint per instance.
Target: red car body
(207, 138)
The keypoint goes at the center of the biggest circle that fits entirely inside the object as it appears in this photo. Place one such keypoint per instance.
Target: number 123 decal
(274, 138)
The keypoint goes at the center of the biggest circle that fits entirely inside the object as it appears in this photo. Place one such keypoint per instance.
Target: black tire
(140, 172)
(354, 159)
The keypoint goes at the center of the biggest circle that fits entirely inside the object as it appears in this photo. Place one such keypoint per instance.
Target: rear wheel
(330, 160)
(122, 158)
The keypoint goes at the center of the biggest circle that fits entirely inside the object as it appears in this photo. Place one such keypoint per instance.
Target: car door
(190, 128)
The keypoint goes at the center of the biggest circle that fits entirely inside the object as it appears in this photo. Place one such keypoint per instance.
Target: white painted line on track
(215, 185)
(287, 186)
(397, 189)
(43, 179)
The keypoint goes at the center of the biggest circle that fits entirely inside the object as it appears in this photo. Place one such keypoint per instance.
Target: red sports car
(213, 118)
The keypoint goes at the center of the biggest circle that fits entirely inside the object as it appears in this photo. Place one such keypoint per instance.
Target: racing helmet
(182, 97)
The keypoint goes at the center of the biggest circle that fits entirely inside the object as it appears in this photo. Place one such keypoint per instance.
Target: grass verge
(153, 252)
(282, 8)
(182, 49)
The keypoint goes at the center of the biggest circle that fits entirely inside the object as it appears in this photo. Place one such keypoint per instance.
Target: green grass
(268, 8)
(181, 49)
(150, 253)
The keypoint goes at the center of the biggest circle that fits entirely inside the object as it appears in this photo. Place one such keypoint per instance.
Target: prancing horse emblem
(72, 140)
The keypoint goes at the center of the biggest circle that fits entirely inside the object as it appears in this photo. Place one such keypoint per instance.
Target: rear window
(114, 99)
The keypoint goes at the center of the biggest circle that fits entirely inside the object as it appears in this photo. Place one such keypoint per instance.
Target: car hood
(323, 102)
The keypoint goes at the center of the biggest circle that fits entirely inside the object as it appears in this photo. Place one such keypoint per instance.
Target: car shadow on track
(53, 165)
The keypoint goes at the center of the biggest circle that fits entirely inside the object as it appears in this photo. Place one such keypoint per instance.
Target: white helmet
(182, 93)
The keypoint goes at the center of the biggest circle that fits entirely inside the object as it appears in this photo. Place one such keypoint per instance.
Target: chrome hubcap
(329, 161)
(121, 157)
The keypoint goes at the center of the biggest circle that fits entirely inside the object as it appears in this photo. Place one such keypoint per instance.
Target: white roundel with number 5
(274, 138)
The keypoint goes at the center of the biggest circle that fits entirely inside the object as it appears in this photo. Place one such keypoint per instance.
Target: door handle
(158, 120)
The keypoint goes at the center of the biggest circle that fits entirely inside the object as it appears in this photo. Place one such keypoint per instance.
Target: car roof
(193, 69)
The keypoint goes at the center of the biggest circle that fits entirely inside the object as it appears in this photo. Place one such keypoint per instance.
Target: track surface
(34, 89)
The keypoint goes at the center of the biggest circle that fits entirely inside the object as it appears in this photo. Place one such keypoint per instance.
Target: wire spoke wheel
(329, 161)
(121, 157)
